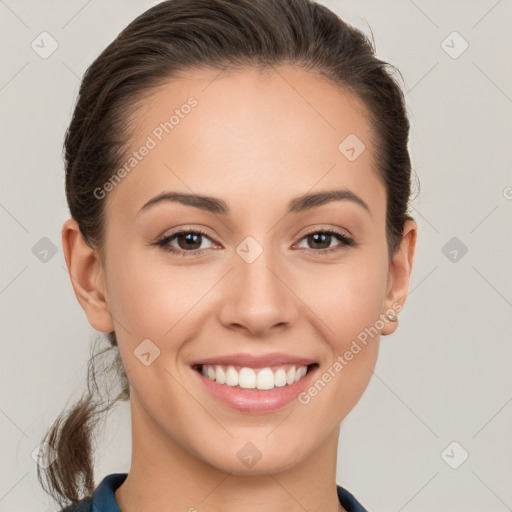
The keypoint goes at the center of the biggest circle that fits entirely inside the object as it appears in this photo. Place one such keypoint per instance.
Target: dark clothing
(104, 500)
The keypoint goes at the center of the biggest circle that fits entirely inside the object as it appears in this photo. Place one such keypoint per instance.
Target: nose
(257, 298)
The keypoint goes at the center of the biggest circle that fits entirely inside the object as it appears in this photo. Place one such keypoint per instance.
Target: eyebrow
(215, 205)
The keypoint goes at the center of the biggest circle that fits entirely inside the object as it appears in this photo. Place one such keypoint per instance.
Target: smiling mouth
(243, 377)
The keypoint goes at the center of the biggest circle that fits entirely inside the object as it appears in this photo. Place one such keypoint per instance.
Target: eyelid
(323, 229)
(344, 240)
(186, 230)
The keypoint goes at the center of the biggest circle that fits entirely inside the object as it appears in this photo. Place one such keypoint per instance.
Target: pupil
(325, 238)
(191, 237)
(316, 239)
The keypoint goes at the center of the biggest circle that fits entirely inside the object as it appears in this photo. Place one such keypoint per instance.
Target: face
(256, 270)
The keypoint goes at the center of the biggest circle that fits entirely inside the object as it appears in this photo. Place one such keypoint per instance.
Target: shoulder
(84, 505)
(348, 500)
(103, 498)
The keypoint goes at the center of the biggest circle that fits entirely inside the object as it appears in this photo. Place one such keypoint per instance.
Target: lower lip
(255, 400)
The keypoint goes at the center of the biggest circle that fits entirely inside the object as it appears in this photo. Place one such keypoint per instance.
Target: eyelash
(344, 239)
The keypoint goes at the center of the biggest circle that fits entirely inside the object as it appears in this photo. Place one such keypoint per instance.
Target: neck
(167, 475)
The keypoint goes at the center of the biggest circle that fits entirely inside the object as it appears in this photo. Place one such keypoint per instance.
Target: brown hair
(178, 35)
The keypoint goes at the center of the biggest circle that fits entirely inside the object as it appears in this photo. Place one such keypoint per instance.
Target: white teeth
(290, 376)
(260, 378)
(220, 375)
(231, 377)
(280, 378)
(247, 378)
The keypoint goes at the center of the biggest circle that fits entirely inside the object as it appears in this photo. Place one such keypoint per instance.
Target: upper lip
(262, 361)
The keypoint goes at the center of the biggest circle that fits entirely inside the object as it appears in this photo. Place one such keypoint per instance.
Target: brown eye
(188, 242)
(320, 241)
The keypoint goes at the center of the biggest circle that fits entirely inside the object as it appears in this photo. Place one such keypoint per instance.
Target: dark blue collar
(104, 499)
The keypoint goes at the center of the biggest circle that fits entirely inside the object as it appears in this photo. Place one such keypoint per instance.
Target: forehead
(267, 134)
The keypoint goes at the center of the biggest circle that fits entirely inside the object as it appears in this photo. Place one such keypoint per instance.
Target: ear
(87, 277)
(399, 274)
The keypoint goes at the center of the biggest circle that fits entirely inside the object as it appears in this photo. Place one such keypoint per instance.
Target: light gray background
(444, 376)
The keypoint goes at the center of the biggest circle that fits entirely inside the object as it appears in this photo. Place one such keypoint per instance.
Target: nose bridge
(256, 296)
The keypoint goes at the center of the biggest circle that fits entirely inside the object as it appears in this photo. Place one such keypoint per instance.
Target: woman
(238, 179)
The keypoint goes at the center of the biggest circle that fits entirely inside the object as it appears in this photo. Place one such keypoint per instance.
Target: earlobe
(399, 275)
(87, 277)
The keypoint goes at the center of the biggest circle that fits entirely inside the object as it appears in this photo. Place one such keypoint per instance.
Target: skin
(255, 140)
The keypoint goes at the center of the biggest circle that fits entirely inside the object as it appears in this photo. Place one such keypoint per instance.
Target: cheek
(149, 297)
(149, 300)
(348, 297)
